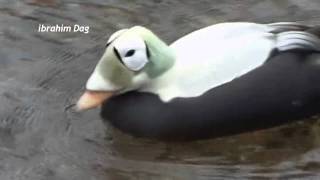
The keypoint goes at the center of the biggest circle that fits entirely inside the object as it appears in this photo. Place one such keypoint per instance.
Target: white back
(213, 56)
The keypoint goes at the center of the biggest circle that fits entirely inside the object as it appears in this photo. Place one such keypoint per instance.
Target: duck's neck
(162, 57)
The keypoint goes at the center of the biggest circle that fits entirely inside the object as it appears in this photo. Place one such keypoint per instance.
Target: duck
(221, 80)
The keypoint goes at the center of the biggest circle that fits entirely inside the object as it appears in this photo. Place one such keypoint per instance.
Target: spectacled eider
(221, 80)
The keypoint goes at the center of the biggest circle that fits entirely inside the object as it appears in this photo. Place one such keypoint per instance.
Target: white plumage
(217, 54)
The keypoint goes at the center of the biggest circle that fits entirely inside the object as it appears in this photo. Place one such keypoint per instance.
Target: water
(42, 74)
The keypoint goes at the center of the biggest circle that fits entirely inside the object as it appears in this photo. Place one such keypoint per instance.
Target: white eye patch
(133, 52)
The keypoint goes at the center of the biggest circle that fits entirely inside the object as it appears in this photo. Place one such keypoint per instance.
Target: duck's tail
(280, 27)
(295, 36)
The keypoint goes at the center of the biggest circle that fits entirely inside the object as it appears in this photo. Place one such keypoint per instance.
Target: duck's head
(132, 58)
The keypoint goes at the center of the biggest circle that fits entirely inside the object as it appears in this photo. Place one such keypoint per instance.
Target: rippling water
(41, 74)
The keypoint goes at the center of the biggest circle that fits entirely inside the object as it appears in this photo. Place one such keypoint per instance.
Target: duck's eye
(130, 53)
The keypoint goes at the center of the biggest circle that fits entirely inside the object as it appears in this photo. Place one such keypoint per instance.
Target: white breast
(213, 56)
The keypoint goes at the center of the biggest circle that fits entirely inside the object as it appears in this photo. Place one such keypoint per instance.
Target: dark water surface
(41, 74)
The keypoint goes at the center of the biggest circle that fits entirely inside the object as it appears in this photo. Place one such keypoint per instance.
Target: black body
(285, 89)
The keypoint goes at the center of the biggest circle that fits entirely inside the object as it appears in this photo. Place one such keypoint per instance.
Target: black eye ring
(107, 44)
(117, 54)
(130, 53)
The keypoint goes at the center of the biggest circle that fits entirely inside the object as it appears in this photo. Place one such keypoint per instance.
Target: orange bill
(92, 99)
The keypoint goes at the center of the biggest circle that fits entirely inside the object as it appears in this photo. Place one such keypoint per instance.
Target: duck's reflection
(263, 153)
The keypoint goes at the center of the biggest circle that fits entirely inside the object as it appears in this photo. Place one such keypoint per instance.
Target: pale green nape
(162, 57)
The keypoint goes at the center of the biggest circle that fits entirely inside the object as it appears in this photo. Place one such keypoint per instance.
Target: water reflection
(280, 152)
